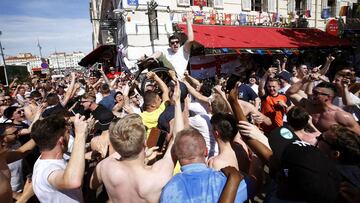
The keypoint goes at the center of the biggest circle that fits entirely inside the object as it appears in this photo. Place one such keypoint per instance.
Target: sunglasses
(315, 92)
(174, 42)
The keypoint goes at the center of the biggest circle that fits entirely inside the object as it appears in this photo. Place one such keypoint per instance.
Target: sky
(61, 25)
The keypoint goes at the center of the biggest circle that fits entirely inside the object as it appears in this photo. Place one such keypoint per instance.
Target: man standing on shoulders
(178, 55)
(55, 180)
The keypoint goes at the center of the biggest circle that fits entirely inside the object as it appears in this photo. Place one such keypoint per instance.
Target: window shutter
(291, 6)
(246, 5)
(218, 4)
(183, 2)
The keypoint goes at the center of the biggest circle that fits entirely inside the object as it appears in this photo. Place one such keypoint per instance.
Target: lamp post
(2, 54)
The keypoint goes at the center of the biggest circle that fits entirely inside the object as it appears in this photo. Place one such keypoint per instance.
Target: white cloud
(20, 34)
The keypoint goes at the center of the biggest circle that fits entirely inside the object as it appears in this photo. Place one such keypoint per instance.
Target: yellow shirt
(150, 119)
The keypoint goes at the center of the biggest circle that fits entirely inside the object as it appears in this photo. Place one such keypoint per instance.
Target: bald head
(190, 147)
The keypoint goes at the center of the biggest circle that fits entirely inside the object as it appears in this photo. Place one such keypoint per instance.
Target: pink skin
(273, 88)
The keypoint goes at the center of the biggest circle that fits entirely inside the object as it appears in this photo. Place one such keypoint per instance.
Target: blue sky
(63, 25)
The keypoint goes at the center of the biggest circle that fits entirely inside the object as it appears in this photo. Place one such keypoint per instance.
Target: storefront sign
(332, 27)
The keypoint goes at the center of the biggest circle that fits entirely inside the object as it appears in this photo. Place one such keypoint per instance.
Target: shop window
(256, 5)
(332, 6)
(300, 6)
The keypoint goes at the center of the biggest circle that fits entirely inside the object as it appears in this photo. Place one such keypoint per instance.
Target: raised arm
(327, 64)
(195, 93)
(69, 90)
(72, 176)
(294, 92)
(234, 178)
(163, 87)
(191, 80)
(190, 33)
(235, 106)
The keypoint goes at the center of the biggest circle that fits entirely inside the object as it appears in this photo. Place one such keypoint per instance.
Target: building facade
(126, 23)
(61, 61)
(27, 59)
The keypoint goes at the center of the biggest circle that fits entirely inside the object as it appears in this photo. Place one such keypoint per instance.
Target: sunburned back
(225, 158)
(130, 184)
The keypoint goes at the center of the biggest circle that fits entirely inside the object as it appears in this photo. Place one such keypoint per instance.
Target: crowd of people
(289, 135)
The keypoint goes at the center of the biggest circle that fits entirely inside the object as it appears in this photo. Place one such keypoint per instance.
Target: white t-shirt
(203, 125)
(46, 192)
(179, 60)
(338, 101)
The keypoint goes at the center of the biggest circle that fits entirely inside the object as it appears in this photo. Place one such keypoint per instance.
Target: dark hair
(117, 93)
(226, 125)
(9, 111)
(35, 94)
(327, 85)
(104, 89)
(297, 118)
(173, 37)
(348, 143)
(206, 87)
(52, 99)
(46, 132)
(149, 99)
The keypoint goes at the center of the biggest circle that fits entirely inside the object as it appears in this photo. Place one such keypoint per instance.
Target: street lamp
(2, 54)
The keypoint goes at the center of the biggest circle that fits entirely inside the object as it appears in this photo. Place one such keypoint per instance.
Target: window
(332, 5)
(183, 2)
(246, 5)
(256, 5)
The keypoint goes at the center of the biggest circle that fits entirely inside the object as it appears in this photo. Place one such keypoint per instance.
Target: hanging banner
(227, 20)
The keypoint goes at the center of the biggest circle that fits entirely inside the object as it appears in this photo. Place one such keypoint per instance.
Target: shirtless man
(320, 106)
(128, 179)
(34, 103)
(224, 130)
(8, 156)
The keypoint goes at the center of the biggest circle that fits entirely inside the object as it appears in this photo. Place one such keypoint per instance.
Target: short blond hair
(127, 136)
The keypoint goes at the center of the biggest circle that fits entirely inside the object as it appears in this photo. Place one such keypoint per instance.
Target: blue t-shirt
(246, 93)
(198, 183)
(109, 101)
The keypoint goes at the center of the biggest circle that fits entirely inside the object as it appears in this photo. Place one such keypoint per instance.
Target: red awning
(103, 52)
(215, 36)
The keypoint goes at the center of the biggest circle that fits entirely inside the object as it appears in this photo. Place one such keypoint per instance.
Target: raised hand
(80, 125)
(330, 58)
(151, 75)
(177, 91)
(249, 130)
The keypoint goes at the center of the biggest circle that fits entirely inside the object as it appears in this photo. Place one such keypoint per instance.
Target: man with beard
(54, 179)
(320, 107)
